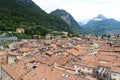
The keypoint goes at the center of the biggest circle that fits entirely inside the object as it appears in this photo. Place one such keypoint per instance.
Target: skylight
(65, 75)
(44, 79)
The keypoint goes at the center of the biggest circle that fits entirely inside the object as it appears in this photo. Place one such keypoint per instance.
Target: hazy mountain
(28, 15)
(103, 25)
(69, 20)
(80, 23)
(99, 17)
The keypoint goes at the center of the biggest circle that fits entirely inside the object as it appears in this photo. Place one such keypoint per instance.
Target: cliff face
(69, 20)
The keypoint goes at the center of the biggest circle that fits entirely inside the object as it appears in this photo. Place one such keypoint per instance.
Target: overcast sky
(83, 10)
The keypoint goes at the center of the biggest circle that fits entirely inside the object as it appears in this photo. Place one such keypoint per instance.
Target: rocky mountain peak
(68, 18)
(99, 17)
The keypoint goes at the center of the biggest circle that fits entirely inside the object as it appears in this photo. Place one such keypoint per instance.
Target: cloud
(83, 9)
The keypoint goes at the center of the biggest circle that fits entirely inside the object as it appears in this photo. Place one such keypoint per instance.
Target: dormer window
(33, 74)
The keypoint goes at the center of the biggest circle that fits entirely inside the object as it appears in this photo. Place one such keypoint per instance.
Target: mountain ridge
(67, 17)
(103, 26)
(99, 17)
(27, 14)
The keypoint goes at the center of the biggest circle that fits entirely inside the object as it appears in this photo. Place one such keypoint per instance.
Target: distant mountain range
(99, 18)
(67, 17)
(103, 25)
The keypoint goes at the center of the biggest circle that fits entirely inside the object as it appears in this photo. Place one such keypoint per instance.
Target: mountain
(80, 23)
(26, 14)
(103, 25)
(69, 20)
(99, 17)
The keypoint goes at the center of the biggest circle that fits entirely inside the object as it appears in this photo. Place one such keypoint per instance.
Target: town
(54, 58)
(59, 40)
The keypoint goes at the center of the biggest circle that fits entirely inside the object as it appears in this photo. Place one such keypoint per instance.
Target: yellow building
(115, 73)
(84, 66)
(20, 30)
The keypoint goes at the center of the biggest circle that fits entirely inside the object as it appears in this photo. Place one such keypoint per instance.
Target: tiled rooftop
(55, 59)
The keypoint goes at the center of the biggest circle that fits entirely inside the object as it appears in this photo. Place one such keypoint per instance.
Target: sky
(83, 10)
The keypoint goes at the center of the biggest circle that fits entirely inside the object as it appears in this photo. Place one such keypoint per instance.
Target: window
(83, 68)
(88, 69)
(114, 74)
(34, 74)
(77, 66)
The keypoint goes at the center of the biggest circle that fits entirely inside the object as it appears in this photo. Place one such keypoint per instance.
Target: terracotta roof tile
(115, 69)
(69, 66)
(49, 73)
(16, 71)
(50, 52)
(89, 58)
(62, 61)
(90, 78)
(76, 52)
(54, 46)
(106, 57)
(25, 49)
(114, 63)
(13, 53)
(86, 64)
